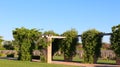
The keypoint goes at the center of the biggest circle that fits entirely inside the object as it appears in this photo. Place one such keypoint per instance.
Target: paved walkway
(84, 65)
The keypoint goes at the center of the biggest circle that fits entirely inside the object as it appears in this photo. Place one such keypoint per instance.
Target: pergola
(103, 34)
(49, 47)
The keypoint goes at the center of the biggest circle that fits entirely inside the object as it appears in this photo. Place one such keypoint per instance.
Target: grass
(106, 62)
(77, 59)
(15, 63)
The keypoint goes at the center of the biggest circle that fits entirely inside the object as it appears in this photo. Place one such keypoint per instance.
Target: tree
(92, 42)
(115, 40)
(1, 40)
(8, 45)
(27, 41)
(50, 32)
(16, 45)
(105, 46)
(69, 44)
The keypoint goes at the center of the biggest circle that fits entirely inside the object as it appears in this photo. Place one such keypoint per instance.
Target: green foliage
(8, 45)
(69, 43)
(43, 58)
(27, 41)
(1, 40)
(16, 45)
(115, 39)
(2, 48)
(2, 55)
(92, 42)
(50, 32)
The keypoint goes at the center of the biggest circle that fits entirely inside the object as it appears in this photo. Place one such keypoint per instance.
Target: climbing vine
(115, 39)
(69, 44)
(92, 42)
(26, 40)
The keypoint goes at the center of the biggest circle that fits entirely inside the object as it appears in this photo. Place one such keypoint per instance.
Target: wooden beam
(49, 47)
(58, 37)
(103, 34)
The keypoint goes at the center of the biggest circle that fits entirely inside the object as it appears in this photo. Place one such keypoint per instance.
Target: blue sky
(58, 15)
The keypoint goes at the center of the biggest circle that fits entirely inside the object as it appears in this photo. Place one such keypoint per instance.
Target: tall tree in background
(69, 44)
(8, 45)
(1, 40)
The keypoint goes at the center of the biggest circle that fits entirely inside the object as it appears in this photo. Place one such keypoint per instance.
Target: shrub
(115, 40)
(69, 44)
(26, 39)
(92, 42)
(2, 55)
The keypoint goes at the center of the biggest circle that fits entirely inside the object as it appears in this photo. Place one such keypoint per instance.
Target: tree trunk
(95, 60)
(118, 60)
(68, 58)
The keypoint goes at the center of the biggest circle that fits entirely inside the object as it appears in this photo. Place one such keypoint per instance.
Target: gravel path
(84, 65)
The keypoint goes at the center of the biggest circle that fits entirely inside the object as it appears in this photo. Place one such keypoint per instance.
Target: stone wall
(105, 54)
(8, 52)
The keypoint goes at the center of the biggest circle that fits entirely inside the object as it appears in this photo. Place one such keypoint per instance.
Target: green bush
(26, 39)
(69, 44)
(115, 40)
(2, 48)
(92, 42)
(2, 55)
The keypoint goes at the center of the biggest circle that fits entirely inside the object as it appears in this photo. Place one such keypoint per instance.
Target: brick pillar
(49, 50)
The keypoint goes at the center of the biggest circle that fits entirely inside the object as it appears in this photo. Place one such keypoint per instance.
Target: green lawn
(77, 59)
(15, 63)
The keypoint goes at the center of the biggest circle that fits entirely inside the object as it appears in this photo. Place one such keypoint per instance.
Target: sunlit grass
(15, 63)
(77, 59)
